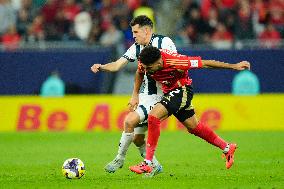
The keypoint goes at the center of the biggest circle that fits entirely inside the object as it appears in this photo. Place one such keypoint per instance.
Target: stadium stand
(51, 27)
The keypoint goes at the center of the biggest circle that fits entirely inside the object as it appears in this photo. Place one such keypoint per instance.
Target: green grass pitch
(34, 160)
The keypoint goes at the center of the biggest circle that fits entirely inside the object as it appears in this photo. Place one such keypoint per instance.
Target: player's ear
(147, 29)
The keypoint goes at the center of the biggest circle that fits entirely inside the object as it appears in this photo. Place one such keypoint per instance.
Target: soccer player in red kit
(171, 71)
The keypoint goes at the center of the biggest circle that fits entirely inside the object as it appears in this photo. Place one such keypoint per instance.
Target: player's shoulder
(162, 37)
(167, 43)
(167, 51)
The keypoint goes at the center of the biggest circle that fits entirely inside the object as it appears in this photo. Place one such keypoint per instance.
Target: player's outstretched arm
(217, 64)
(110, 67)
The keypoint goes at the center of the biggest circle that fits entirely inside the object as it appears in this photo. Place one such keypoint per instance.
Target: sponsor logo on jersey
(194, 63)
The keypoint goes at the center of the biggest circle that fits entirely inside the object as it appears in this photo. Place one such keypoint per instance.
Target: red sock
(206, 133)
(153, 136)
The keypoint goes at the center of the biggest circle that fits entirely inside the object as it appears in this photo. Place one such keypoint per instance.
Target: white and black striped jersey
(150, 86)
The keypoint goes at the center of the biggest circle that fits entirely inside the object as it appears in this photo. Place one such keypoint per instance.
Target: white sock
(142, 150)
(124, 143)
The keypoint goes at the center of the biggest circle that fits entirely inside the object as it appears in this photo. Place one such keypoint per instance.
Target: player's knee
(139, 140)
(128, 126)
(130, 122)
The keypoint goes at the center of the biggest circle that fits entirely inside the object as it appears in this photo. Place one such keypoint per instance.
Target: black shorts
(178, 103)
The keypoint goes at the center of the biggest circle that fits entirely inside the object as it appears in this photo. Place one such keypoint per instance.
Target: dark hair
(141, 20)
(149, 55)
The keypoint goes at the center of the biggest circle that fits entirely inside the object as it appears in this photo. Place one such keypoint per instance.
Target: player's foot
(142, 167)
(230, 155)
(156, 170)
(115, 164)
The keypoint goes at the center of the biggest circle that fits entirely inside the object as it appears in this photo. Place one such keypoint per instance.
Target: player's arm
(134, 100)
(179, 61)
(218, 64)
(110, 67)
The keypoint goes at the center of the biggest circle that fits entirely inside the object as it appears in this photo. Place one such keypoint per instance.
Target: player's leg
(170, 103)
(139, 138)
(139, 141)
(157, 114)
(131, 120)
(199, 129)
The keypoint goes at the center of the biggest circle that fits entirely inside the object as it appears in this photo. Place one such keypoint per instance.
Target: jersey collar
(151, 40)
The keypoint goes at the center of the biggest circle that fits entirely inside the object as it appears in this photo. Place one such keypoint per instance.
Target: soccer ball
(73, 168)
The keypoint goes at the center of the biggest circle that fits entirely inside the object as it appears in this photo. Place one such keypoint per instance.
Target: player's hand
(96, 68)
(133, 103)
(243, 65)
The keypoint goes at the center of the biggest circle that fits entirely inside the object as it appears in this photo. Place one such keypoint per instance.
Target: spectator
(133, 4)
(191, 33)
(11, 39)
(212, 19)
(276, 12)
(244, 29)
(205, 8)
(95, 34)
(202, 28)
(113, 37)
(61, 25)
(7, 16)
(89, 6)
(270, 37)
(23, 22)
(83, 25)
(120, 11)
(53, 86)
(127, 32)
(70, 9)
(245, 83)
(49, 10)
(225, 6)
(35, 30)
(222, 38)
(29, 6)
(181, 39)
(260, 8)
(106, 15)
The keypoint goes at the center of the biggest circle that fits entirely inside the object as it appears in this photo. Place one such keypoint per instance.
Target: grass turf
(34, 160)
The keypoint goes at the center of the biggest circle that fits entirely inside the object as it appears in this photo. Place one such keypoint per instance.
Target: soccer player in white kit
(142, 100)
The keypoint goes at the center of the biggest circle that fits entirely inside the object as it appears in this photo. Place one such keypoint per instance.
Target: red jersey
(175, 70)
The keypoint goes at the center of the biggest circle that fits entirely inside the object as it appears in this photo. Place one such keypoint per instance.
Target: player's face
(140, 34)
(156, 66)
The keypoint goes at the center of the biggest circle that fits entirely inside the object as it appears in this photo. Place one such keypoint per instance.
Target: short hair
(149, 55)
(141, 20)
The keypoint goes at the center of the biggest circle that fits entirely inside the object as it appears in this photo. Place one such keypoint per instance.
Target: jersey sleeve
(168, 44)
(130, 54)
(179, 61)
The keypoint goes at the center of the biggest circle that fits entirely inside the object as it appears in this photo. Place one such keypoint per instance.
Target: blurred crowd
(92, 21)
(221, 22)
(106, 22)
